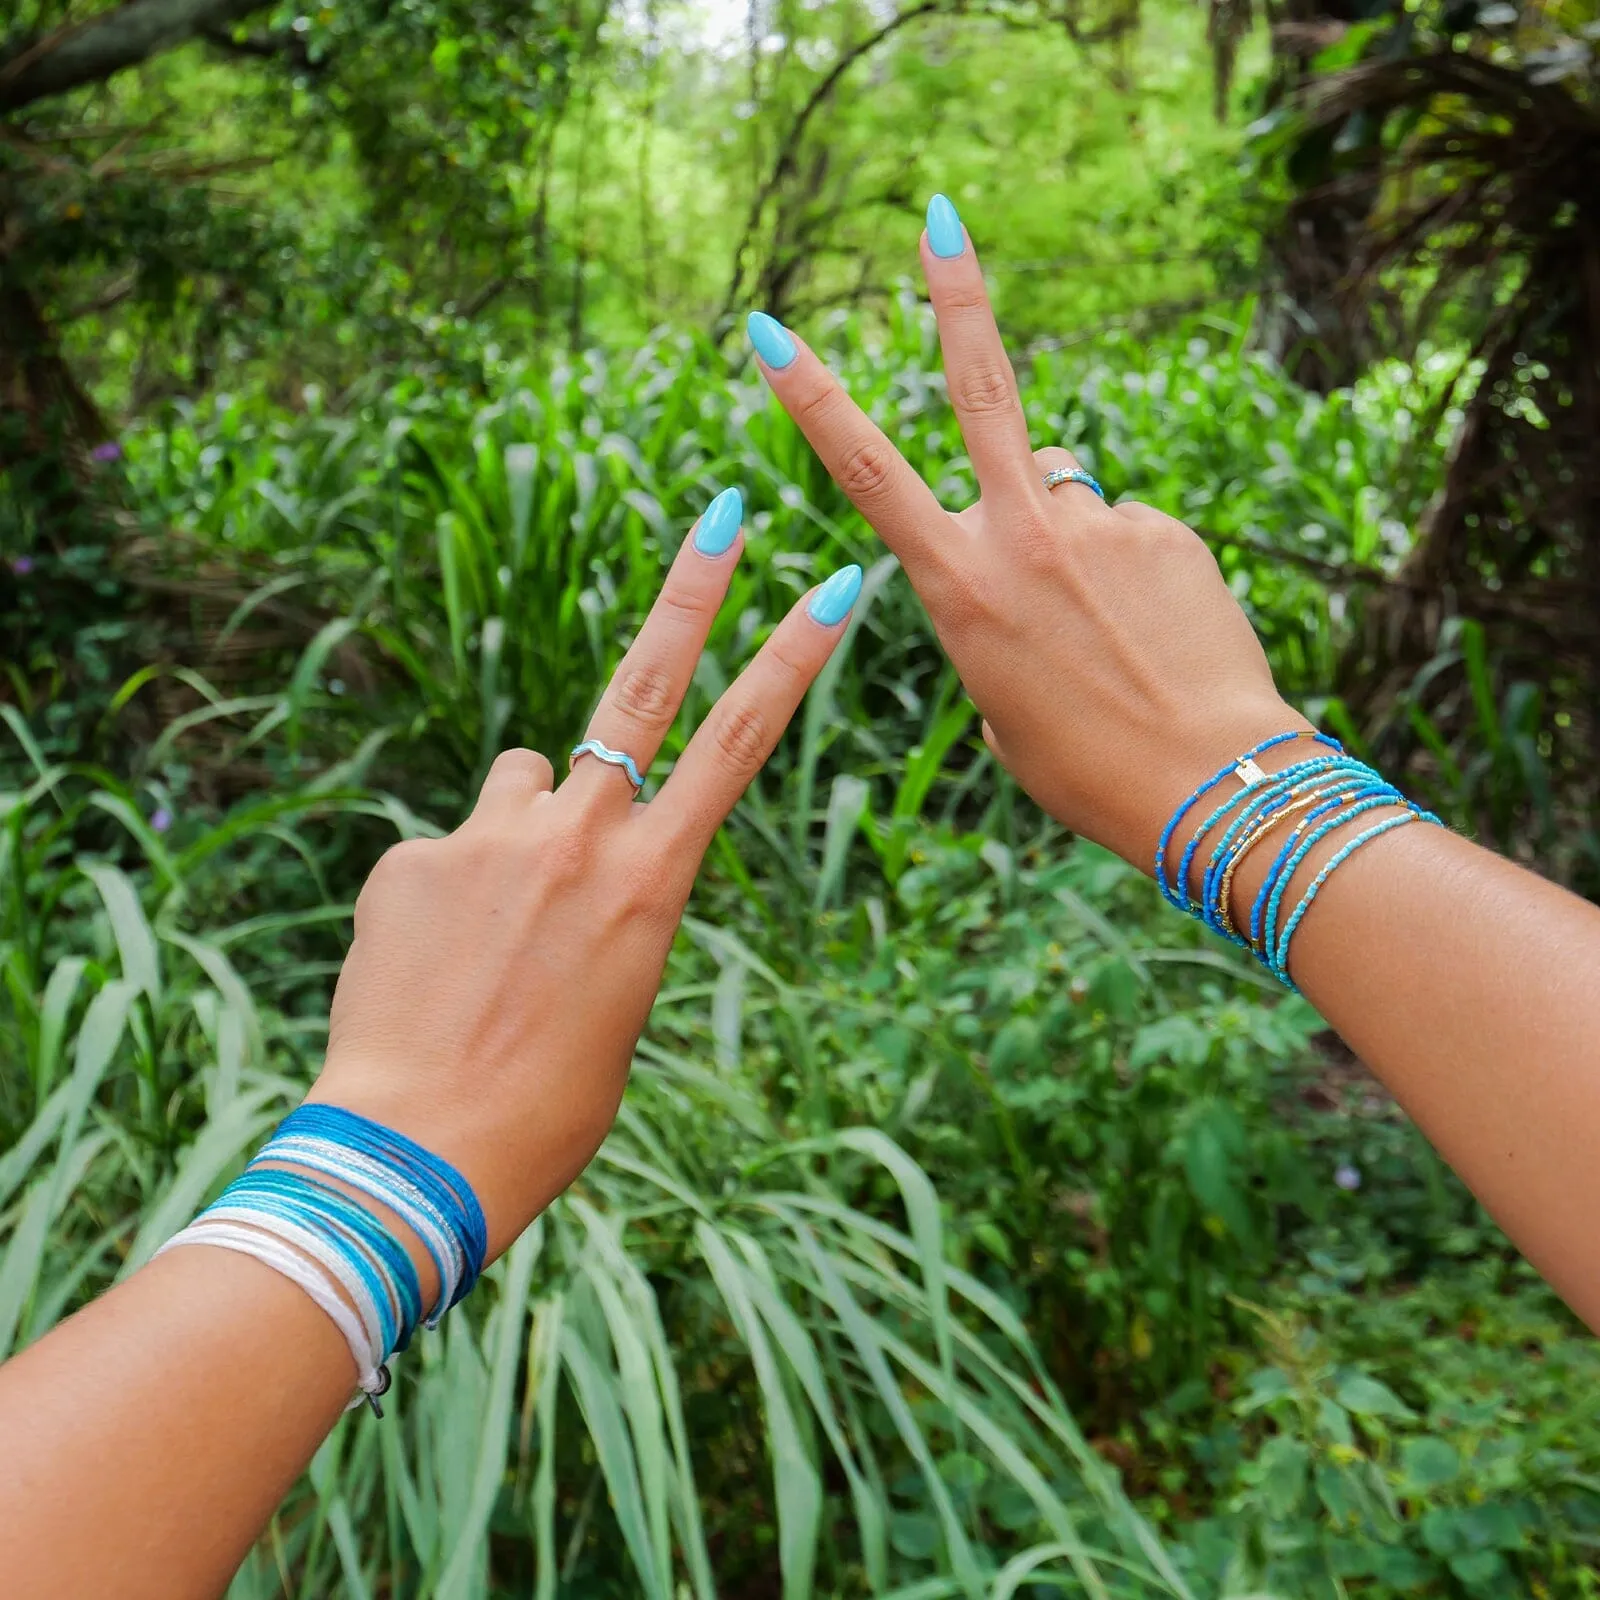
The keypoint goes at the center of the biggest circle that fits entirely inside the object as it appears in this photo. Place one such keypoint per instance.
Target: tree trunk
(49, 428)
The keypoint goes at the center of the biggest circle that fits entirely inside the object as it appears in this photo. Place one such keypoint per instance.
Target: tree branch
(287, 47)
(787, 156)
(90, 52)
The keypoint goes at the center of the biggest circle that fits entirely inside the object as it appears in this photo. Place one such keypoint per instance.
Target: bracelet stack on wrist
(283, 1212)
(1317, 795)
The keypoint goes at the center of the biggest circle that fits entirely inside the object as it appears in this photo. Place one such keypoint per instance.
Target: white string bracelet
(390, 1188)
(286, 1213)
(362, 1338)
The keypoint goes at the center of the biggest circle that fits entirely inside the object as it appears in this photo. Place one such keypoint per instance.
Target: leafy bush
(922, 1258)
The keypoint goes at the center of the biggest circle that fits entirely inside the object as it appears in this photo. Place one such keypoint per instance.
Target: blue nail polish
(945, 237)
(771, 340)
(831, 603)
(719, 523)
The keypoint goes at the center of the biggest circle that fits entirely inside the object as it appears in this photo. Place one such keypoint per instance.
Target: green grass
(924, 1254)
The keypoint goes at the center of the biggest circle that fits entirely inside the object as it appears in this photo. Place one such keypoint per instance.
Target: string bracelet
(297, 1208)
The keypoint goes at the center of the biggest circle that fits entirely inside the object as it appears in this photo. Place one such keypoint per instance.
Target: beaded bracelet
(1267, 799)
(1242, 767)
(1280, 957)
(1324, 793)
(1305, 796)
(283, 1211)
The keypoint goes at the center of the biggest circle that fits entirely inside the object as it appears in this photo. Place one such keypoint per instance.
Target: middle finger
(983, 388)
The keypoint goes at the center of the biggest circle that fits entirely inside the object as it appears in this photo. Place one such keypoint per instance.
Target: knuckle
(644, 691)
(396, 871)
(814, 408)
(1137, 511)
(865, 470)
(1039, 543)
(742, 740)
(526, 765)
(963, 603)
(963, 298)
(641, 890)
(983, 390)
(686, 603)
(567, 853)
(404, 859)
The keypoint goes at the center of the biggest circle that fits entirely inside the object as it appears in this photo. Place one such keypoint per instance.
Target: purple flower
(161, 819)
(22, 566)
(109, 451)
(1347, 1177)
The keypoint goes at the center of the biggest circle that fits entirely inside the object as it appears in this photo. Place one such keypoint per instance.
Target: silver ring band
(612, 758)
(1059, 475)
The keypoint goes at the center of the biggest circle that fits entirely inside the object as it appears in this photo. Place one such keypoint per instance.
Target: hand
(1113, 667)
(500, 977)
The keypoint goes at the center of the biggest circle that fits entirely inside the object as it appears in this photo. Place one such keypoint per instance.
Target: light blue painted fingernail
(771, 340)
(945, 237)
(830, 605)
(719, 523)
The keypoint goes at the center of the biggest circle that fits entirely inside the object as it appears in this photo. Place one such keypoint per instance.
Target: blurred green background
(972, 1226)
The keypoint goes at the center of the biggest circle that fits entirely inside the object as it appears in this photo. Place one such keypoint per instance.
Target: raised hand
(1113, 667)
(500, 977)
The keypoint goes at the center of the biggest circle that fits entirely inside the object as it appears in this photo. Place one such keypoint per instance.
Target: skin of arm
(1116, 672)
(488, 1008)
(1471, 988)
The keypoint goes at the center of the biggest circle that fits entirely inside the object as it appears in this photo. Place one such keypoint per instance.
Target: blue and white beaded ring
(1059, 475)
(612, 758)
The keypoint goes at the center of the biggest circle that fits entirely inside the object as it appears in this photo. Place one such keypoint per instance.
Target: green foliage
(921, 1259)
(1460, 1475)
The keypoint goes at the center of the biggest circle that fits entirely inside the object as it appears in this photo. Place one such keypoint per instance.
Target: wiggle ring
(612, 758)
(1059, 475)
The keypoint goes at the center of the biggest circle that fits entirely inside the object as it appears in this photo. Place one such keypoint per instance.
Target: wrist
(1192, 761)
(1249, 850)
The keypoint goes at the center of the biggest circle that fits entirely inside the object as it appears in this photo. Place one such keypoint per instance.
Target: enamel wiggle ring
(612, 758)
(1059, 475)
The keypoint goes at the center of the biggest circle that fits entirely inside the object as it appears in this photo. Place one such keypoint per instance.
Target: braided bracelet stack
(1321, 794)
(283, 1212)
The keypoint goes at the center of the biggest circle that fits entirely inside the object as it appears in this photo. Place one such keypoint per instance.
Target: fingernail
(945, 237)
(831, 603)
(719, 523)
(771, 339)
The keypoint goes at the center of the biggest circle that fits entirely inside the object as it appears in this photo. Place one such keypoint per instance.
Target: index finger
(730, 747)
(880, 482)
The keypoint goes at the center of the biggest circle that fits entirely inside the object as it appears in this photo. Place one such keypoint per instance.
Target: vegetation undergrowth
(972, 1226)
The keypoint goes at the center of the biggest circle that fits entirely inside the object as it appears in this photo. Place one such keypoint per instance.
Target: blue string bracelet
(444, 1186)
(298, 1207)
(374, 1251)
